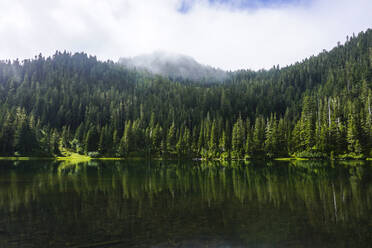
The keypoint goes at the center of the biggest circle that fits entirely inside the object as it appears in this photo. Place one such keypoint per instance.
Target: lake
(185, 204)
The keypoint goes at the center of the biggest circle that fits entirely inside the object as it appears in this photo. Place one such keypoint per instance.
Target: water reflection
(165, 204)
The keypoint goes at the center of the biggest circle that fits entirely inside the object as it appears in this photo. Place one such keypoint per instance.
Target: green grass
(74, 157)
(109, 158)
(290, 159)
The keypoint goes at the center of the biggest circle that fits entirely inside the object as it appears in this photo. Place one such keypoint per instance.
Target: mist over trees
(320, 107)
(175, 66)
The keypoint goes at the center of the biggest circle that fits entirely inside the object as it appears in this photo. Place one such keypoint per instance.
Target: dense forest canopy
(320, 107)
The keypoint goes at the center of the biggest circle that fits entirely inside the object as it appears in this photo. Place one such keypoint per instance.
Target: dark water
(165, 204)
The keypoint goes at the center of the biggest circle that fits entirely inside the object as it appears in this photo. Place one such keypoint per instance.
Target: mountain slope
(315, 108)
(175, 66)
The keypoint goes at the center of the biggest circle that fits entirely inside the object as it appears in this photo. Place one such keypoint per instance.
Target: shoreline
(83, 158)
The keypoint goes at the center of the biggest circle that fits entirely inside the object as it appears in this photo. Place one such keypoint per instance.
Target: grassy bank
(75, 157)
(290, 159)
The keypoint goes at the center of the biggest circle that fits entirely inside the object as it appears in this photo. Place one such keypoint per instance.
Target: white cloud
(217, 35)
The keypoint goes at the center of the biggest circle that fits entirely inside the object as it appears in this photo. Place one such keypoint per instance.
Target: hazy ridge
(174, 66)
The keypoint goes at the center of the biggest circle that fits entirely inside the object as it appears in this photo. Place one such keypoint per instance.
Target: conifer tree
(213, 140)
(126, 142)
(91, 140)
(238, 138)
(7, 135)
(171, 138)
(352, 135)
(259, 136)
(25, 142)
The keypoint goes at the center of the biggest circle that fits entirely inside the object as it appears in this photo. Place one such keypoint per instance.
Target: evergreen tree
(126, 142)
(25, 142)
(91, 140)
(352, 135)
(259, 136)
(238, 138)
(171, 138)
(213, 141)
(308, 122)
(7, 135)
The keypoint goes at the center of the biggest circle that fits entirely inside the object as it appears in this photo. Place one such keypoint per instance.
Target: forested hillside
(175, 66)
(320, 107)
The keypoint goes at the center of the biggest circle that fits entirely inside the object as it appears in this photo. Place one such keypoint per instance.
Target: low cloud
(225, 34)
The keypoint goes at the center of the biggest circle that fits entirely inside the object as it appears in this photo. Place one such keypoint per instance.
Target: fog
(228, 34)
(174, 65)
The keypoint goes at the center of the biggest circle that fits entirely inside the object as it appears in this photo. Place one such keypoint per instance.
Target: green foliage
(315, 108)
(238, 138)
(311, 154)
(91, 140)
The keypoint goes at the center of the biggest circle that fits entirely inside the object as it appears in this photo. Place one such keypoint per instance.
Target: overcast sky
(230, 34)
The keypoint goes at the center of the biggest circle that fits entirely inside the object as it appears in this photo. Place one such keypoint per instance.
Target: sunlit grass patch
(112, 158)
(290, 159)
(74, 157)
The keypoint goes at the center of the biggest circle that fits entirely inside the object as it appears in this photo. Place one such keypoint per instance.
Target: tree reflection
(283, 203)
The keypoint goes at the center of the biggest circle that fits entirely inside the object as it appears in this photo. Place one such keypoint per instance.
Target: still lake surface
(185, 204)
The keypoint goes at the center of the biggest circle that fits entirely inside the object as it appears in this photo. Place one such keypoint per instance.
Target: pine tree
(187, 141)
(91, 140)
(25, 142)
(308, 121)
(156, 137)
(126, 142)
(180, 146)
(259, 136)
(352, 135)
(282, 142)
(115, 142)
(171, 138)
(103, 142)
(65, 137)
(201, 139)
(271, 133)
(54, 146)
(213, 141)
(238, 138)
(79, 133)
(7, 135)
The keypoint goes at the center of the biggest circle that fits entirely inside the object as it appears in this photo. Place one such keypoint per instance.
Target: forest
(317, 108)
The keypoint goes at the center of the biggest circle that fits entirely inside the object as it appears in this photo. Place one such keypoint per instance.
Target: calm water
(165, 204)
